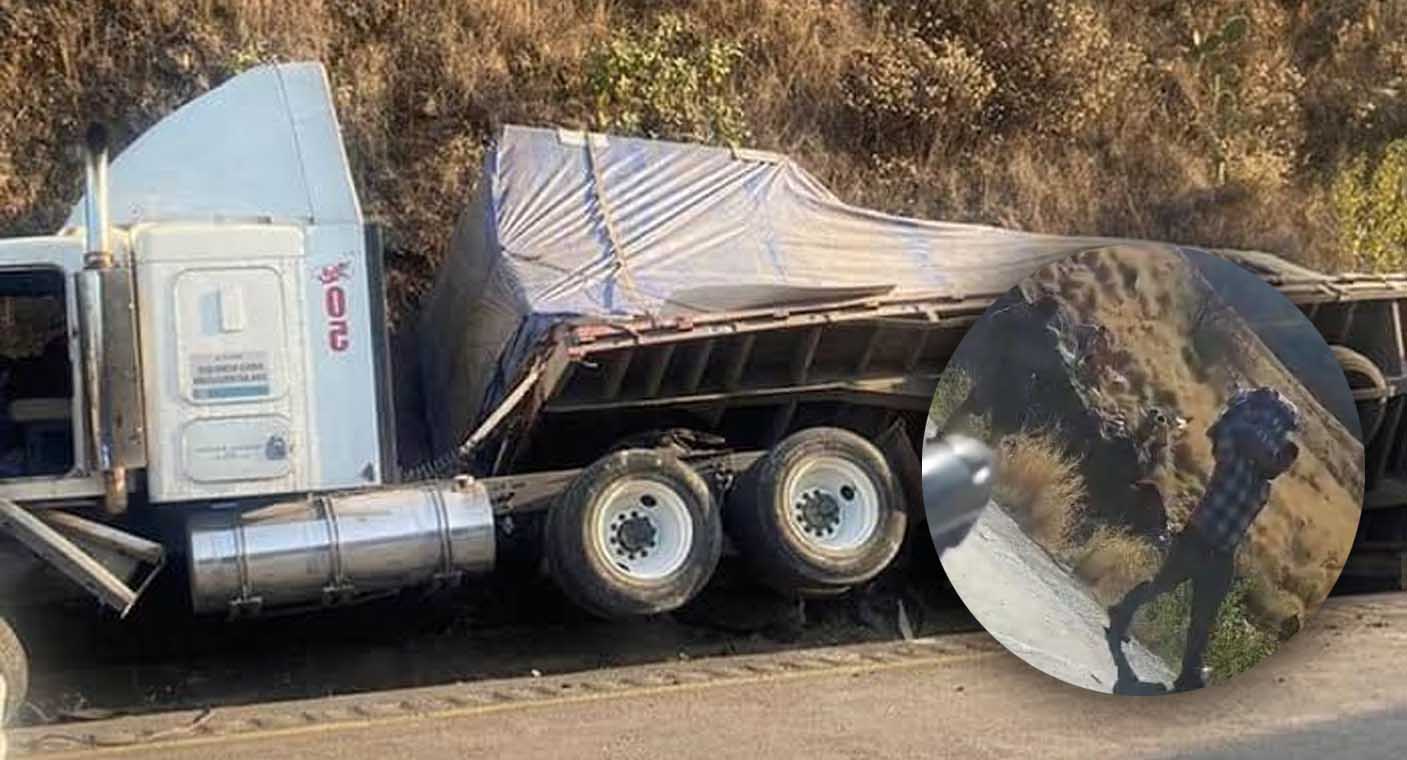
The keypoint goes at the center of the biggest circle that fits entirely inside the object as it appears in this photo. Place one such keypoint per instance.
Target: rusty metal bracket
(60, 539)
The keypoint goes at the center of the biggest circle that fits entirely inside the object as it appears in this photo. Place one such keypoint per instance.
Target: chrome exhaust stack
(337, 549)
(108, 333)
(95, 158)
(96, 260)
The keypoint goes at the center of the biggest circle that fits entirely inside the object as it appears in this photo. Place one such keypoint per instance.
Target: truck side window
(36, 375)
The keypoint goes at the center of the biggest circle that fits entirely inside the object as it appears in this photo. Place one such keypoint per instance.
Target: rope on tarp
(618, 252)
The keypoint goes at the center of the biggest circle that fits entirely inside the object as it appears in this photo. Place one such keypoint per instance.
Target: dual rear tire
(821, 513)
(637, 533)
(640, 532)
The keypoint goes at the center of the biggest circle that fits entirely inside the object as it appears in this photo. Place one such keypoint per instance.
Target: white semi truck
(633, 349)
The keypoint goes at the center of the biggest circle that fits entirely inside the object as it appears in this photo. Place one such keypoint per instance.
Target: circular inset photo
(1170, 468)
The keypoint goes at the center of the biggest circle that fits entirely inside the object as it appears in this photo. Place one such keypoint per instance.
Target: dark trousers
(1211, 572)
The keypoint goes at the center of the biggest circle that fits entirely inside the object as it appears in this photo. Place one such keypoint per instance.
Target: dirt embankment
(1226, 120)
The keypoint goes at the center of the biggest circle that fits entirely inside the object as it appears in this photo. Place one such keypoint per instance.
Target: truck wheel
(14, 672)
(822, 512)
(1369, 386)
(636, 533)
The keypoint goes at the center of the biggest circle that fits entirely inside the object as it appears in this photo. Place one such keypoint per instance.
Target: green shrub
(1243, 90)
(667, 81)
(908, 93)
(1106, 118)
(247, 56)
(1370, 207)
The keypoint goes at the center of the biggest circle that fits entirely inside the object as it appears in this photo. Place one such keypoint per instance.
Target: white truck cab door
(43, 446)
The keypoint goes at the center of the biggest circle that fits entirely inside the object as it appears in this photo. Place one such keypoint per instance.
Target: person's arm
(1288, 455)
(1270, 459)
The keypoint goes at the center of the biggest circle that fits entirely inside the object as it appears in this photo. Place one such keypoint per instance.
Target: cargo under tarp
(572, 226)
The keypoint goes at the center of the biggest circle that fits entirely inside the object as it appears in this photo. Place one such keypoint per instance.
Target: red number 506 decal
(334, 302)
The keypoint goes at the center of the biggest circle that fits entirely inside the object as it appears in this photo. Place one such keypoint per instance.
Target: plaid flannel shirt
(1252, 431)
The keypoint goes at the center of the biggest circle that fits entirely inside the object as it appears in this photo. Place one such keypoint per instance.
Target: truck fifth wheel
(634, 338)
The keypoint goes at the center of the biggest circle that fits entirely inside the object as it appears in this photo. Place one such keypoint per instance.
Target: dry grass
(1042, 487)
(1113, 561)
(1075, 116)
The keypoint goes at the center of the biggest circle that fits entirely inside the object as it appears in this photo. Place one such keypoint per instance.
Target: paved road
(1339, 685)
(1037, 609)
(1374, 736)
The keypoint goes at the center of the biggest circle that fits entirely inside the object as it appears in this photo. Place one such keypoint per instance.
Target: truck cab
(181, 343)
(235, 344)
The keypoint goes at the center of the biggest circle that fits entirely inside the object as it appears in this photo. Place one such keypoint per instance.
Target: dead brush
(1040, 484)
(1062, 117)
(1113, 561)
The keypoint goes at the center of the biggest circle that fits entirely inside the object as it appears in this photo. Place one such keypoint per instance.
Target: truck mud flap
(114, 566)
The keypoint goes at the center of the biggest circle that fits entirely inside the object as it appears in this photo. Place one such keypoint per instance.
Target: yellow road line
(478, 710)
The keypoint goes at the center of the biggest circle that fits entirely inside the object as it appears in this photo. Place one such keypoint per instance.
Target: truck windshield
(36, 375)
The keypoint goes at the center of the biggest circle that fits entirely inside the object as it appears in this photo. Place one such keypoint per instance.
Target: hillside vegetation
(1266, 124)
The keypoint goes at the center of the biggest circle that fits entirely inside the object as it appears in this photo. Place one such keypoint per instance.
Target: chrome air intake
(333, 549)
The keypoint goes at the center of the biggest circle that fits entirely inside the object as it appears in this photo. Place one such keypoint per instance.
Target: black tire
(759, 518)
(1367, 380)
(14, 668)
(581, 564)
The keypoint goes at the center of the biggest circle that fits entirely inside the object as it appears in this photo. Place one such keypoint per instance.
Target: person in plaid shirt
(1252, 443)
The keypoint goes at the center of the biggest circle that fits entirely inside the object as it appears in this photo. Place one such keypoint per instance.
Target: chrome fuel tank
(336, 548)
